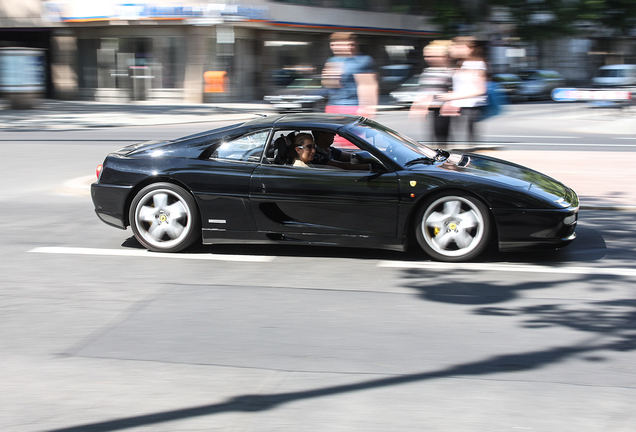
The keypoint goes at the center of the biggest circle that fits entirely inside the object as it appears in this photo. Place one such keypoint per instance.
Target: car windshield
(504, 78)
(396, 146)
(305, 83)
(608, 73)
(529, 75)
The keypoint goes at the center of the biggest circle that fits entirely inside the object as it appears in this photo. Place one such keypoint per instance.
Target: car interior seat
(280, 150)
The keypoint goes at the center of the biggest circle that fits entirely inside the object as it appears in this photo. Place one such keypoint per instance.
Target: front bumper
(536, 229)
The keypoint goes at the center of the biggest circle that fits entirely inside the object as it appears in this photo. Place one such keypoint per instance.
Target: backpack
(495, 100)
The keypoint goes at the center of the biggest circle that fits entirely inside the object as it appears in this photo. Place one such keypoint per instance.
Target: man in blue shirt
(350, 78)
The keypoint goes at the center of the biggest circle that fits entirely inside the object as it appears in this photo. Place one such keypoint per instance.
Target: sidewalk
(78, 115)
(603, 180)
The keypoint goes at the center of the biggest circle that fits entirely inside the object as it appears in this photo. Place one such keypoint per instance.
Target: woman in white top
(303, 150)
(469, 83)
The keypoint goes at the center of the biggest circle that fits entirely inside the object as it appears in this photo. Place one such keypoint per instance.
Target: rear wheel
(454, 227)
(164, 218)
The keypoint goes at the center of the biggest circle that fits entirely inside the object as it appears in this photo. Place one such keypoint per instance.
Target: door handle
(263, 188)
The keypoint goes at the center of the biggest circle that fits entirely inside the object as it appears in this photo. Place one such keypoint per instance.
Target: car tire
(164, 218)
(453, 227)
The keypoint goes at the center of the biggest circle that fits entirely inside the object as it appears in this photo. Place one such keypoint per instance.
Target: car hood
(512, 175)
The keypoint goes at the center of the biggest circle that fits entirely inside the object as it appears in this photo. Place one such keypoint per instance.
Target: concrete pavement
(79, 115)
(602, 180)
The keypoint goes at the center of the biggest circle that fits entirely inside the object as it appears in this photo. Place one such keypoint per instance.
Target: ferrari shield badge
(413, 183)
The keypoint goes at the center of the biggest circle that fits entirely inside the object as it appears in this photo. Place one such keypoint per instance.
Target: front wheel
(164, 218)
(453, 228)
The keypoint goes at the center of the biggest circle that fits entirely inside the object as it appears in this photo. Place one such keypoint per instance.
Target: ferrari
(235, 184)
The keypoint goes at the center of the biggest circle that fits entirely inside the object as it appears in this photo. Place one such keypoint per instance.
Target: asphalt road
(99, 335)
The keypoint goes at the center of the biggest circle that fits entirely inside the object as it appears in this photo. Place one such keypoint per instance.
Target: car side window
(247, 148)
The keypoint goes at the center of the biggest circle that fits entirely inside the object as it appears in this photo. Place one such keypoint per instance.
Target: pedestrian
(436, 79)
(350, 77)
(469, 84)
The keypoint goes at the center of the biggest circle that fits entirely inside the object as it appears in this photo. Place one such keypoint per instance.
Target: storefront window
(290, 58)
(116, 62)
(169, 69)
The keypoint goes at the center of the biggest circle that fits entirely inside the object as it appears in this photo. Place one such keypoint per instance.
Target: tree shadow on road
(609, 323)
(263, 402)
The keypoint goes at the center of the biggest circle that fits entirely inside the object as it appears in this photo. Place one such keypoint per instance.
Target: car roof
(539, 71)
(619, 66)
(306, 120)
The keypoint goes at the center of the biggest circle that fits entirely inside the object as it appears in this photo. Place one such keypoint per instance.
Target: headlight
(570, 220)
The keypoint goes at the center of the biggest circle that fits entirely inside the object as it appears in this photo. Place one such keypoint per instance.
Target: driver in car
(331, 156)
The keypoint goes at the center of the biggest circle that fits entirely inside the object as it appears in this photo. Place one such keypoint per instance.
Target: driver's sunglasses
(308, 146)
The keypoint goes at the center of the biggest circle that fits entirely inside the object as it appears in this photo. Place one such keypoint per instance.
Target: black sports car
(233, 184)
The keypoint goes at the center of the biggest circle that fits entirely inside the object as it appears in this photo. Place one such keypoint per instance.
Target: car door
(287, 199)
(221, 181)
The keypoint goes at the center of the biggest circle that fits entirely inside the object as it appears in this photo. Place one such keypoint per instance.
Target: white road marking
(506, 267)
(77, 186)
(551, 144)
(532, 136)
(428, 265)
(147, 254)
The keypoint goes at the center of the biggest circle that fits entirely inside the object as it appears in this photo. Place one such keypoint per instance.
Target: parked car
(283, 77)
(392, 76)
(407, 93)
(232, 184)
(538, 84)
(509, 84)
(615, 76)
(303, 94)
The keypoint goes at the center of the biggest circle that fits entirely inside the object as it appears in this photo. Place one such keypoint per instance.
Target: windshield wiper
(441, 154)
(419, 160)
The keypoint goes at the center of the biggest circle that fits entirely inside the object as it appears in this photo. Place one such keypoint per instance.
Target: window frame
(263, 146)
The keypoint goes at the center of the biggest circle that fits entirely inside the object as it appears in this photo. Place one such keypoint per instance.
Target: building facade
(200, 51)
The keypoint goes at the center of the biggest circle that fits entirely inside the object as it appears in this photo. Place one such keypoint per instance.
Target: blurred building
(198, 50)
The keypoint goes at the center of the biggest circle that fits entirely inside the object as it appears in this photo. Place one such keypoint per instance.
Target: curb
(150, 120)
(52, 124)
